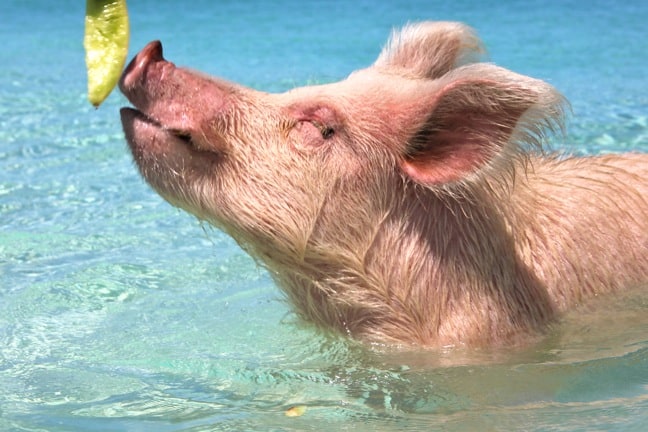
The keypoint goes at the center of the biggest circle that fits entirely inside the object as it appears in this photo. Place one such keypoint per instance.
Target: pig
(413, 203)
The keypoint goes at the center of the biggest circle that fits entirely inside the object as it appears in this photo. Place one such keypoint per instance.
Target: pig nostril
(154, 51)
(151, 53)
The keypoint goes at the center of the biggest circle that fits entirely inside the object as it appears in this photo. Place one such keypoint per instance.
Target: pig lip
(143, 134)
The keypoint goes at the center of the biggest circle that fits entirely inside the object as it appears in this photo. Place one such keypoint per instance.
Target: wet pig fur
(409, 203)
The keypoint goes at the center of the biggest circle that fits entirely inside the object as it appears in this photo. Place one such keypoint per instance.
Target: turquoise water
(121, 313)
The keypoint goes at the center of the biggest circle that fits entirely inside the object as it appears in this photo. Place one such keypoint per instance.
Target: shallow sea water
(121, 313)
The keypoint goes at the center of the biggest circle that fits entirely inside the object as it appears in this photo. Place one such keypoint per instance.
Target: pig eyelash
(326, 131)
(286, 125)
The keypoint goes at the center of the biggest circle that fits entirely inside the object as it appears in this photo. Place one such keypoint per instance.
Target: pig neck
(427, 270)
(475, 268)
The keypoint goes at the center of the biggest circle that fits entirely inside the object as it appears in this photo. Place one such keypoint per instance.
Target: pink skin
(401, 204)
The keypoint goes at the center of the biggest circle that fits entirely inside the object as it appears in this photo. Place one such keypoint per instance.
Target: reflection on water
(204, 375)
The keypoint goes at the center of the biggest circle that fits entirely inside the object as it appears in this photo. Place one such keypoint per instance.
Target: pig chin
(166, 161)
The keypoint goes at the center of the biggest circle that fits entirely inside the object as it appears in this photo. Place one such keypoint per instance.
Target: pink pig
(409, 203)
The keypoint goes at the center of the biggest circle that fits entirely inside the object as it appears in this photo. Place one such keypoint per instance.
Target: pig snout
(136, 69)
(159, 92)
(145, 79)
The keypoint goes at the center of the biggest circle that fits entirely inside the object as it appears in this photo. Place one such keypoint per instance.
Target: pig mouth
(144, 133)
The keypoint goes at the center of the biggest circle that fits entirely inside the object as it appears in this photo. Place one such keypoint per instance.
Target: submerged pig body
(408, 203)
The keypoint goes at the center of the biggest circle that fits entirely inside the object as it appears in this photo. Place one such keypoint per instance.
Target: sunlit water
(118, 312)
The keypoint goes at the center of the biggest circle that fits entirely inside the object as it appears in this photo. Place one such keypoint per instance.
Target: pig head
(410, 202)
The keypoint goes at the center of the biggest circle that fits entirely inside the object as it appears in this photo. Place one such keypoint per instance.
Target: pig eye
(327, 132)
(312, 133)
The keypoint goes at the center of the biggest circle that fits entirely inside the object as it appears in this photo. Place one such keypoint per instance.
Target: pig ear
(430, 49)
(481, 114)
